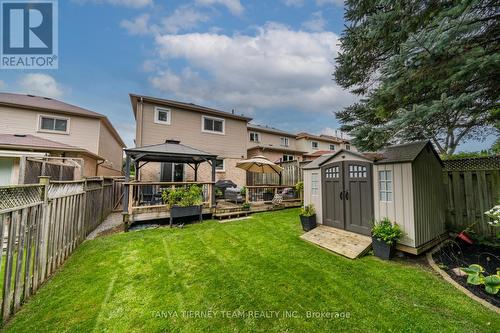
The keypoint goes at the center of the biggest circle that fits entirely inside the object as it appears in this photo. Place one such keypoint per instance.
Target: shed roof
(407, 152)
(170, 151)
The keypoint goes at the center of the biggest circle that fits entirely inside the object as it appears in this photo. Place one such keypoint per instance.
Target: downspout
(97, 166)
(142, 119)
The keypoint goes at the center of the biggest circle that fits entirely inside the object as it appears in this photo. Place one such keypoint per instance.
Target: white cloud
(183, 18)
(275, 68)
(338, 3)
(234, 6)
(40, 84)
(126, 3)
(294, 3)
(137, 26)
(316, 23)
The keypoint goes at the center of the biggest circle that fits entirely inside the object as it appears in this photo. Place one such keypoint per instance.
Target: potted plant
(184, 201)
(384, 238)
(308, 217)
(246, 206)
(299, 187)
(268, 195)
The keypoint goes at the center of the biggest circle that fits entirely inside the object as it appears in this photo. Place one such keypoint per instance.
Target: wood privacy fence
(41, 225)
(472, 187)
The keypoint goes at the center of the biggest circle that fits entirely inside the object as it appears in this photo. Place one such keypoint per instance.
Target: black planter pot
(308, 222)
(178, 211)
(266, 196)
(382, 250)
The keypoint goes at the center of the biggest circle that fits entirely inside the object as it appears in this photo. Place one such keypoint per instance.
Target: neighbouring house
(402, 183)
(274, 144)
(318, 145)
(40, 125)
(217, 132)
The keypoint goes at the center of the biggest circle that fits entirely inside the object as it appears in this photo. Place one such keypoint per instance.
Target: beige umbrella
(260, 164)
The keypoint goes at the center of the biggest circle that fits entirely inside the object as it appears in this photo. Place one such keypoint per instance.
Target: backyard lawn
(254, 275)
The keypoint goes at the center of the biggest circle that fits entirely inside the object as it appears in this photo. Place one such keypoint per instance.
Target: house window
(285, 142)
(162, 116)
(332, 147)
(254, 137)
(287, 158)
(385, 185)
(314, 184)
(347, 147)
(357, 171)
(220, 165)
(314, 144)
(53, 124)
(213, 125)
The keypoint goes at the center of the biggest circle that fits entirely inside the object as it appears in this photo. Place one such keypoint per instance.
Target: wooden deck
(345, 243)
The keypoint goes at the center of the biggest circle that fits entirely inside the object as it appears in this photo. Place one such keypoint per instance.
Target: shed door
(358, 197)
(333, 205)
(347, 196)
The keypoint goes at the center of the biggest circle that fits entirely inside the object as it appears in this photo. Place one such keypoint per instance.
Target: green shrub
(183, 196)
(307, 211)
(246, 205)
(243, 191)
(386, 232)
(299, 187)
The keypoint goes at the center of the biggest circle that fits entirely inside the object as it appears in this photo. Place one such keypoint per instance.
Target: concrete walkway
(113, 221)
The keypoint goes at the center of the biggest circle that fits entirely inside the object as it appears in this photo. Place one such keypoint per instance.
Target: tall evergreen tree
(423, 69)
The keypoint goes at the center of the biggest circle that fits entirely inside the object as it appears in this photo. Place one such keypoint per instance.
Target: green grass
(142, 281)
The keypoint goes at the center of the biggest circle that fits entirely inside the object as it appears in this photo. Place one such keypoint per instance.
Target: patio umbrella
(259, 164)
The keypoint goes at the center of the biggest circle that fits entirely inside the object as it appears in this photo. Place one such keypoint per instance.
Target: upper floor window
(315, 144)
(385, 185)
(347, 147)
(285, 142)
(287, 158)
(162, 116)
(53, 124)
(212, 125)
(332, 147)
(220, 165)
(254, 137)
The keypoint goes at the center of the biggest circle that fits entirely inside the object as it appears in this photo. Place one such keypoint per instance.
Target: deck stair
(345, 243)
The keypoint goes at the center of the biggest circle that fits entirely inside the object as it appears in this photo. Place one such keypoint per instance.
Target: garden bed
(454, 255)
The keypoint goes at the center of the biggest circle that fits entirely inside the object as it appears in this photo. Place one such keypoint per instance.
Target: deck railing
(144, 195)
(266, 193)
(40, 226)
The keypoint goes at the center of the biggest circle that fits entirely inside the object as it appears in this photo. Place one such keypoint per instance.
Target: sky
(269, 60)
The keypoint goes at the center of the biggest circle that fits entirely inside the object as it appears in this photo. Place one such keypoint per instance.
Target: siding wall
(271, 139)
(111, 150)
(306, 145)
(429, 197)
(185, 126)
(400, 210)
(309, 198)
(83, 132)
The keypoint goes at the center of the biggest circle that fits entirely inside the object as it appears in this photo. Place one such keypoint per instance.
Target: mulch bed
(455, 255)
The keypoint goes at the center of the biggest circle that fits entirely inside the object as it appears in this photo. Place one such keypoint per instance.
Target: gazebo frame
(169, 152)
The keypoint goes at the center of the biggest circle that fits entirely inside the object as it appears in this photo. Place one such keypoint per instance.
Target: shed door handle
(342, 195)
(347, 195)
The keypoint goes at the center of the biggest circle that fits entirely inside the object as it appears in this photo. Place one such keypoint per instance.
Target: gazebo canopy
(169, 152)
